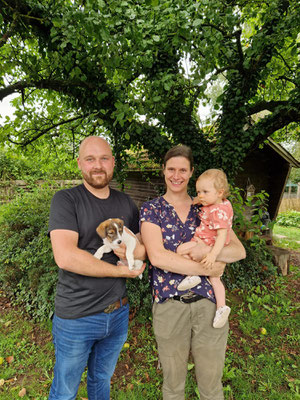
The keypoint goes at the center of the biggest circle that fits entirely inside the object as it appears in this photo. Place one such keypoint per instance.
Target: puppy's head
(111, 229)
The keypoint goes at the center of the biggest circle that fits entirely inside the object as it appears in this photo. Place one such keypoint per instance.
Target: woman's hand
(215, 269)
(197, 252)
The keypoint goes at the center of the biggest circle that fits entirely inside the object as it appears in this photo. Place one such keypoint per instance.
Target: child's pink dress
(214, 217)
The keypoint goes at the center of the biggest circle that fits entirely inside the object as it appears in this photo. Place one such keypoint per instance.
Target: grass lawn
(262, 360)
(291, 238)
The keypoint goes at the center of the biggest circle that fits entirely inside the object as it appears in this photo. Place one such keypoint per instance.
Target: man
(91, 311)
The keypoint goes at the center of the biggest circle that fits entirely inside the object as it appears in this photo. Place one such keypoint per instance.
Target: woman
(183, 323)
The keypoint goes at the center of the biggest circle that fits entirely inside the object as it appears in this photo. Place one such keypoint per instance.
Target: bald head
(92, 142)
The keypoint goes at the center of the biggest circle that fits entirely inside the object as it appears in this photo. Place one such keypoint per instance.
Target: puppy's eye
(111, 232)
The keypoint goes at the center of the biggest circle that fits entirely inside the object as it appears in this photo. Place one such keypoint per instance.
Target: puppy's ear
(101, 229)
(120, 223)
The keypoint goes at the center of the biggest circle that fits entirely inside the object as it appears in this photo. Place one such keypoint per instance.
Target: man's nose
(98, 163)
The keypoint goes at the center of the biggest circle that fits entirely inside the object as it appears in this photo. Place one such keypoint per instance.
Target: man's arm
(69, 257)
(233, 252)
(169, 260)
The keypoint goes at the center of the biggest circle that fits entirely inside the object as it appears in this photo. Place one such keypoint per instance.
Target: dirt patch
(295, 258)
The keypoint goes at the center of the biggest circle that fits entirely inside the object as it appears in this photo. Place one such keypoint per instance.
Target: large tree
(138, 70)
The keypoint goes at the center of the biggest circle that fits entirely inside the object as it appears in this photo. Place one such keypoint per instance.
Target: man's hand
(121, 252)
(127, 273)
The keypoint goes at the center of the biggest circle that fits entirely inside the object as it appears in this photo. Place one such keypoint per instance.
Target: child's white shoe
(221, 316)
(189, 282)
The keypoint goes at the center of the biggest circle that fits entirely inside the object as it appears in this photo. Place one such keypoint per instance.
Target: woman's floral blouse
(159, 212)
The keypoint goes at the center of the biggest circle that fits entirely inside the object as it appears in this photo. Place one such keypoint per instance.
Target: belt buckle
(110, 308)
(187, 296)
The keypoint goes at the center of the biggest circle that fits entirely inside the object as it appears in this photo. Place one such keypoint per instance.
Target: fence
(139, 190)
(289, 204)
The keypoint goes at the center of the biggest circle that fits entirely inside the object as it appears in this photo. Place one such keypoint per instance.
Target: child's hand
(209, 259)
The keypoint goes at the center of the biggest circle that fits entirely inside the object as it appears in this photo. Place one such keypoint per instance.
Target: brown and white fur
(113, 234)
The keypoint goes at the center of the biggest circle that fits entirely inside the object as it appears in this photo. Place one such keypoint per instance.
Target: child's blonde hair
(220, 180)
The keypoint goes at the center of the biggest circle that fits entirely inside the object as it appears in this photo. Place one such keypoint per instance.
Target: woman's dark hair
(179, 151)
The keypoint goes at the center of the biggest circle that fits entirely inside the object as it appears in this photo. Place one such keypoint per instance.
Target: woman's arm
(233, 252)
(169, 260)
(69, 257)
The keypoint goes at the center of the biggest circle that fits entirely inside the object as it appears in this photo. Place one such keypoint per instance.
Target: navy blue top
(159, 212)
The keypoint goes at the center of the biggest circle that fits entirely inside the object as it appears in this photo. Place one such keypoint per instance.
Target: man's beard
(98, 181)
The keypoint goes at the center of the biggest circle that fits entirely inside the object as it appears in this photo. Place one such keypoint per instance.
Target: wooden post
(281, 258)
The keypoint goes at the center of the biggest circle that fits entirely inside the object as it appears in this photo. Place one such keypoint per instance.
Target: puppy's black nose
(119, 241)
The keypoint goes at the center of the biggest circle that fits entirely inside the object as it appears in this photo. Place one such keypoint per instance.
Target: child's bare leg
(219, 291)
(223, 311)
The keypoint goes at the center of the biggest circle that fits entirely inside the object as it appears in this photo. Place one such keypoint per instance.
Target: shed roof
(284, 153)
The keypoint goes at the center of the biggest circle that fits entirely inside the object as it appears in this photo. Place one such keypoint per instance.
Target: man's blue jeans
(95, 341)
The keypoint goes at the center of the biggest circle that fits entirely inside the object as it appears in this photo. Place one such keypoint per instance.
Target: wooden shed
(268, 169)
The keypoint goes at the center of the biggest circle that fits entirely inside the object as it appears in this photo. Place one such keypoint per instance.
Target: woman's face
(177, 172)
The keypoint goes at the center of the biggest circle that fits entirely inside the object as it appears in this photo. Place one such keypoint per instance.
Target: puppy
(113, 234)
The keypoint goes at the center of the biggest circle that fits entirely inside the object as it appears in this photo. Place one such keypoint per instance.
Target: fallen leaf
(1, 382)
(22, 392)
(1, 360)
(9, 359)
(7, 324)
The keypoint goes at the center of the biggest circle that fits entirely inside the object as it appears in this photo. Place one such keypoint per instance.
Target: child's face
(207, 194)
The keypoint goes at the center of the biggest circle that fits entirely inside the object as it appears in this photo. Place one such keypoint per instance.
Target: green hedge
(27, 267)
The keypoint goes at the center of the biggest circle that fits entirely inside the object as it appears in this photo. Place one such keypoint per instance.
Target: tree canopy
(137, 71)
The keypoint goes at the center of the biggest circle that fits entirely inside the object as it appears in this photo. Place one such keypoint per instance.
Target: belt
(116, 305)
(189, 297)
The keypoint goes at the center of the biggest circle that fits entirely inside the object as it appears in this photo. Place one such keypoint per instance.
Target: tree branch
(53, 84)
(282, 117)
(265, 105)
(42, 132)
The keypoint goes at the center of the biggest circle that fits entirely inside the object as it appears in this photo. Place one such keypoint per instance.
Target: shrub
(250, 219)
(27, 267)
(289, 218)
(253, 270)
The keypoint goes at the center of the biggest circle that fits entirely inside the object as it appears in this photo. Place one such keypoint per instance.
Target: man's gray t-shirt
(78, 210)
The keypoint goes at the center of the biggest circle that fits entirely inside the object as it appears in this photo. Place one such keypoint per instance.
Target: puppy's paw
(98, 254)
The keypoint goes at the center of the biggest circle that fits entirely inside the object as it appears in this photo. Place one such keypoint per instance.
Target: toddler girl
(216, 220)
